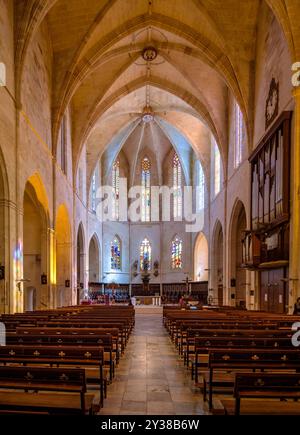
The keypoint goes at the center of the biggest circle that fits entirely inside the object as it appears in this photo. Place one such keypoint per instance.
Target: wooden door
(264, 291)
(220, 295)
(278, 291)
(273, 291)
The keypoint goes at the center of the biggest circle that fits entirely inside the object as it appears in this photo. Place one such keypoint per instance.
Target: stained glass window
(94, 192)
(201, 188)
(116, 254)
(145, 255)
(238, 136)
(116, 187)
(177, 253)
(146, 190)
(217, 169)
(177, 187)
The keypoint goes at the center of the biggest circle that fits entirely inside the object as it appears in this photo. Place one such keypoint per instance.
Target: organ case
(267, 240)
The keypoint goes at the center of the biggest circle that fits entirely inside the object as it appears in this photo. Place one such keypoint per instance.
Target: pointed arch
(238, 224)
(116, 189)
(94, 259)
(37, 244)
(201, 258)
(217, 263)
(177, 187)
(146, 189)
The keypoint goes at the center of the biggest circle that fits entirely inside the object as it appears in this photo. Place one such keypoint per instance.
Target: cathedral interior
(149, 154)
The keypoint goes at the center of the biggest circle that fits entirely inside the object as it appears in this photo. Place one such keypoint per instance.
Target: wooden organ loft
(266, 244)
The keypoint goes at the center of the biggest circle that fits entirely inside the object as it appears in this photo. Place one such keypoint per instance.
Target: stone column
(294, 284)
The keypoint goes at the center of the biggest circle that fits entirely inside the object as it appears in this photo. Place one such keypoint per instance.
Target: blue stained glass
(116, 254)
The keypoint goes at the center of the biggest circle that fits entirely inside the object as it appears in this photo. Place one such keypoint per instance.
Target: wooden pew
(229, 361)
(54, 381)
(63, 338)
(203, 345)
(59, 356)
(261, 386)
(192, 334)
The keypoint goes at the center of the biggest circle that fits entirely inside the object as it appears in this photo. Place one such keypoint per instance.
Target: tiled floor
(151, 379)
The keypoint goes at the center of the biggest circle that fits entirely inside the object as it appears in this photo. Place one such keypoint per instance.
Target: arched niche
(63, 257)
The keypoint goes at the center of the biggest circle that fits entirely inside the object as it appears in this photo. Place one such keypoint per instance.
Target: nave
(151, 379)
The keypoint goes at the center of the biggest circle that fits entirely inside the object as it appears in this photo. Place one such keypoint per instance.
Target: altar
(147, 300)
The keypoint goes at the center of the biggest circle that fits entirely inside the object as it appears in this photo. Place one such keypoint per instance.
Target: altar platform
(148, 309)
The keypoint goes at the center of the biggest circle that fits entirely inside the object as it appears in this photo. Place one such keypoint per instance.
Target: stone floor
(151, 379)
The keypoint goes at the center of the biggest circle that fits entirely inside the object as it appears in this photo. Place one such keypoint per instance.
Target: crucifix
(187, 284)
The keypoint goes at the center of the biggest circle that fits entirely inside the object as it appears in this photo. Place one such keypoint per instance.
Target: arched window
(116, 187)
(63, 145)
(145, 255)
(201, 188)
(177, 187)
(177, 253)
(238, 140)
(217, 169)
(93, 193)
(146, 190)
(115, 258)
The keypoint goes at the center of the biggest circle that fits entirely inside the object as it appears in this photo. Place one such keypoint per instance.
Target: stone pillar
(294, 284)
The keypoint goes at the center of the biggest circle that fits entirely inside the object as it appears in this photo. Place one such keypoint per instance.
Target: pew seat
(262, 407)
(42, 402)
(54, 390)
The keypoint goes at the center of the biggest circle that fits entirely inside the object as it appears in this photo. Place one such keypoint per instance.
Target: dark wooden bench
(118, 342)
(192, 334)
(79, 357)
(255, 393)
(111, 354)
(182, 327)
(227, 361)
(24, 388)
(203, 345)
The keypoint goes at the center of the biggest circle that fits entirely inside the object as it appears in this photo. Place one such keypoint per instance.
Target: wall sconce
(44, 279)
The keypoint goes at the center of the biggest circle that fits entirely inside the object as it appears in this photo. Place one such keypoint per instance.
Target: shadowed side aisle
(150, 378)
